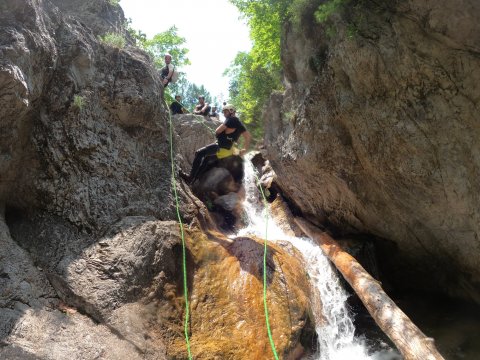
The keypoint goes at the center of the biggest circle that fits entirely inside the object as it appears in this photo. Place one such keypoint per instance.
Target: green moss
(78, 101)
(113, 39)
(327, 9)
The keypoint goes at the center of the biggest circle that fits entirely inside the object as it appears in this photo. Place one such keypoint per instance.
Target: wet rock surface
(219, 184)
(227, 311)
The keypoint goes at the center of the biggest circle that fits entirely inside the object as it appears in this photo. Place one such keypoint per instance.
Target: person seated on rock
(213, 113)
(202, 108)
(227, 134)
(176, 107)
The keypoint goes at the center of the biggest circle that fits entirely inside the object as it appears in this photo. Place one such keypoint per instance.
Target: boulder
(226, 299)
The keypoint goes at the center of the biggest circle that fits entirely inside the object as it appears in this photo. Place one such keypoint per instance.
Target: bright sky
(213, 31)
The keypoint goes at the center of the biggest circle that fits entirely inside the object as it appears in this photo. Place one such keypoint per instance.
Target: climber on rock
(227, 135)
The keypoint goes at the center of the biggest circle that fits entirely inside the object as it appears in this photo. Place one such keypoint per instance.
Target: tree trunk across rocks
(407, 337)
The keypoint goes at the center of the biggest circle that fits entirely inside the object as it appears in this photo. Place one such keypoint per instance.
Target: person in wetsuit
(227, 134)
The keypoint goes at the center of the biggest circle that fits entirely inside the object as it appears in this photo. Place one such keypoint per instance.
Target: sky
(213, 30)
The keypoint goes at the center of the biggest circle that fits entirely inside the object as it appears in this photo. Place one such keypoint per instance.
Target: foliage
(250, 88)
(256, 74)
(113, 39)
(137, 35)
(114, 2)
(299, 9)
(189, 93)
(78, 101)
(327, 9)
(167, 42)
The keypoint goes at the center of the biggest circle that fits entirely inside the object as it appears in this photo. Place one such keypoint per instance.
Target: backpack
(164, 73)
(174, 77)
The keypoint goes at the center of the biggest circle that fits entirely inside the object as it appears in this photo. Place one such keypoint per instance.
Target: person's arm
(204, 109)
(246, 137)
(220, 129)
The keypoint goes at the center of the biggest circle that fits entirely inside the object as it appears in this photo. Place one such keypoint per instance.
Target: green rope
(185, 288)
(204, 123)
(272, 344)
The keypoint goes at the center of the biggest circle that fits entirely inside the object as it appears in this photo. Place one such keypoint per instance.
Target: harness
(223, 153)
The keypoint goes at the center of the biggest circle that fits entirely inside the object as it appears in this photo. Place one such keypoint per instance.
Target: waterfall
(334, 320)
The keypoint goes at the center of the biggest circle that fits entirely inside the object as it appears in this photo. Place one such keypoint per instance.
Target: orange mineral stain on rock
(227, 319)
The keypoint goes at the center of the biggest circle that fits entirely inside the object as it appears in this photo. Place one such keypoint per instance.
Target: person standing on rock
(227, 135)
(167, 70)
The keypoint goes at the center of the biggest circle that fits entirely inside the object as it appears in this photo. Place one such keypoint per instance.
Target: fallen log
(407, 337)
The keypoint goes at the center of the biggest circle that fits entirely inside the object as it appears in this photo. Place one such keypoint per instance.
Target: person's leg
(200, 156)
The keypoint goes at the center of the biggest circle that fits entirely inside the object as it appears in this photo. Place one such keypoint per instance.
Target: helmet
(229, 107)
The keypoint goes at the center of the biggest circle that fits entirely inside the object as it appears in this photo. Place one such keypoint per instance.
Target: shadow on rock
(220, 187)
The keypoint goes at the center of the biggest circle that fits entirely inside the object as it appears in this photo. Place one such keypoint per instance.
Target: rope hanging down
(184, 265)
(185, 288)
(267, 320)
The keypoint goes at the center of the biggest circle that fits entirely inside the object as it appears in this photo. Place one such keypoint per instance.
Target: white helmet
(229, 107)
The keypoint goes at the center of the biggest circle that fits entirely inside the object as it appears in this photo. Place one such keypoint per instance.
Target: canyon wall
(377, 132)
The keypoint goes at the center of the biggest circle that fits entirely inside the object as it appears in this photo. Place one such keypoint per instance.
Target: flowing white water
(335, 328)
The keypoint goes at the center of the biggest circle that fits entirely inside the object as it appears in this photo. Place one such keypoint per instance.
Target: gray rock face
(100, 16)
(85, 185)
(84, 131)
(33, 327)
(192, 132)
(381, 121)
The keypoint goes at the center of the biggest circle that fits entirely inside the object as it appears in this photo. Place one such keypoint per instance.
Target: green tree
(254, 75)
(190, 93)
(250, 87)
(167, 42)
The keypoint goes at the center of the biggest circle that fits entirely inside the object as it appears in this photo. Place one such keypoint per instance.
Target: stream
(333, 318)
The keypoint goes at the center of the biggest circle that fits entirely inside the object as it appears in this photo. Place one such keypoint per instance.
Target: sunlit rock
(226, 299)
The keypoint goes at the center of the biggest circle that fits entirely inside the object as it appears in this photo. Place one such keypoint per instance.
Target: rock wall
(90, 247)
(85, 186)
(380, 118)
(84, 131)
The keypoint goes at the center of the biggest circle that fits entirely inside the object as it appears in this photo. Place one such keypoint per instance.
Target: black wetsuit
(176, 108)
(224, 141)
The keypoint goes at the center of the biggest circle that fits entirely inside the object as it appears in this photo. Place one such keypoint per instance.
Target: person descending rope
(227, 134)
